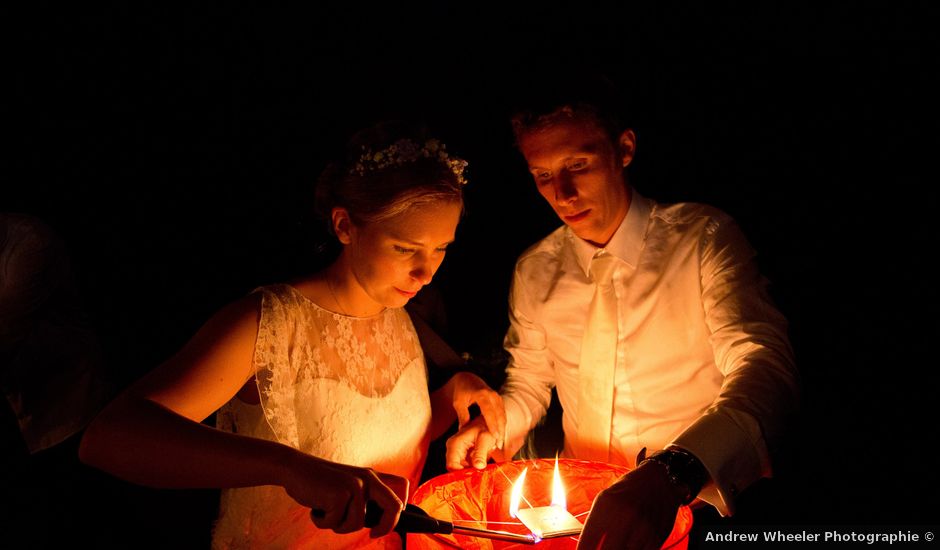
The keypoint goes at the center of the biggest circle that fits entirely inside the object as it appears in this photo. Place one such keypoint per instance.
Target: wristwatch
(684, 470)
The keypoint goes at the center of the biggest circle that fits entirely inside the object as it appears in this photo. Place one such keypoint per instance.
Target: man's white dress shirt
(702, 362)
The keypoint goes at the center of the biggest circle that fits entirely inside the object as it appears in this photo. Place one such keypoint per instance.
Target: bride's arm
(151, 434)
(463, 389)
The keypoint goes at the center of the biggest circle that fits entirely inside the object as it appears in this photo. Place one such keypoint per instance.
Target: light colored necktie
(598, 359)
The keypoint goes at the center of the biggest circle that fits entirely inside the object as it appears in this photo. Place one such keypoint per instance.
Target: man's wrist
(684, 470)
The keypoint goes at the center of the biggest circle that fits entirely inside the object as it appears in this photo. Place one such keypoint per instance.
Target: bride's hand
(338, 494)
(469, 389)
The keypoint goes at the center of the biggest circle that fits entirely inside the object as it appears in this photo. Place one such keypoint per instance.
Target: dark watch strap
(684, 469)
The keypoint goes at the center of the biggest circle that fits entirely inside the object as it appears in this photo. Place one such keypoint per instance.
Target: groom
(652, 322)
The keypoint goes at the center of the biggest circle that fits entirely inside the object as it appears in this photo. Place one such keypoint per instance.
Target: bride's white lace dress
(347, 389)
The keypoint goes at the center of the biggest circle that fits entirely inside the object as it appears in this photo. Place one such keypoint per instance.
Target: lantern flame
(516, 494)
(558, 489)
(558, 492)
(545, 521)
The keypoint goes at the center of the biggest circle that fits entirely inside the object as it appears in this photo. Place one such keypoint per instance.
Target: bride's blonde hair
(388, 169)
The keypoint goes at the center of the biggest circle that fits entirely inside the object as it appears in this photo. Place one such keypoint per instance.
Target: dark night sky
(174, 152)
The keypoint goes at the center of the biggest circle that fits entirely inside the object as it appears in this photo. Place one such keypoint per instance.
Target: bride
(320, 384)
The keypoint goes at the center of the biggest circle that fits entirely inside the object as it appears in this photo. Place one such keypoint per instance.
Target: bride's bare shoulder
(312, 287)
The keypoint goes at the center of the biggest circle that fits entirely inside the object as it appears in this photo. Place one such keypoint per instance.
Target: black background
(174, 151)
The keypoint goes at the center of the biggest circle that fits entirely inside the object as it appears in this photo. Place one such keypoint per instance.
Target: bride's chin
(393, 300)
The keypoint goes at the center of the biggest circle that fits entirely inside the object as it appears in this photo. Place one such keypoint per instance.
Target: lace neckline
(294, 290)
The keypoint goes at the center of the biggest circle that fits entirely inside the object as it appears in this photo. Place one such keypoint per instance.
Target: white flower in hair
(404, 151)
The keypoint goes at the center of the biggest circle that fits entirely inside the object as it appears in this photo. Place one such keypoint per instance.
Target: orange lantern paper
(481, 498)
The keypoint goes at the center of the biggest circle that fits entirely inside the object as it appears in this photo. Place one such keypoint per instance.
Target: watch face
(684, 470)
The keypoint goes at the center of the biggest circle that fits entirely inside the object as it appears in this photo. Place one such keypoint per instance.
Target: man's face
(579, 171)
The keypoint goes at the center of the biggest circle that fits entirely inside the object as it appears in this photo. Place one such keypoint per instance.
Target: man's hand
(637, 512)
(468, 389)
(472, 444)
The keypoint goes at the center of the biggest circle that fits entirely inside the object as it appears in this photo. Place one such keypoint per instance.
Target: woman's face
(392, 259)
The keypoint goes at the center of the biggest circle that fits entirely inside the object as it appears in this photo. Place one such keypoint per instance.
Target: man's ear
(627, 146)
(342, 224)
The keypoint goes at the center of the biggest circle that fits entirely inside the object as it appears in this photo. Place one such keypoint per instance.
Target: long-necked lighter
(414, 519)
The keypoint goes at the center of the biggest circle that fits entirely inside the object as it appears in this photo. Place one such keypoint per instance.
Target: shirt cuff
(730, 446)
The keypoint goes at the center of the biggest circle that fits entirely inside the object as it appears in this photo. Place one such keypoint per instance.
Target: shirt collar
(626, 243)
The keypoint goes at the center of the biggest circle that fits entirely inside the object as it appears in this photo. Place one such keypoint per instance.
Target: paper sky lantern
(483, 499)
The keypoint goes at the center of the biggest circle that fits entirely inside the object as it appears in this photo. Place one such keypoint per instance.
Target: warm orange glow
(559, 499)
(516, 494)
(558, 489)
(545, 521)
(463, 497)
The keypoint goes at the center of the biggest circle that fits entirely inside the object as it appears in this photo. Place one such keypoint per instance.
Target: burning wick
(545, 521)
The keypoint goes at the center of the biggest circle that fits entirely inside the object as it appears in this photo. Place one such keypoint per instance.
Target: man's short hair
(594, 97)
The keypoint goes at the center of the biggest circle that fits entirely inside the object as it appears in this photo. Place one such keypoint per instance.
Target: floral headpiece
(404, 151)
